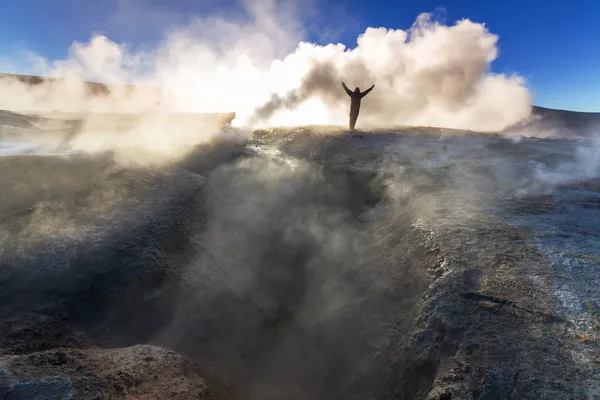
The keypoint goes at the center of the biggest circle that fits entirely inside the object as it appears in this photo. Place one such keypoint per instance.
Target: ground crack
(485, 300)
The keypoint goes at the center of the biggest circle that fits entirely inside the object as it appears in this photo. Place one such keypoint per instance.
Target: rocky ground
(301, 265)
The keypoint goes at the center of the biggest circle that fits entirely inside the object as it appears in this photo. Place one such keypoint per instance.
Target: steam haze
(429, 75)
(151, 251)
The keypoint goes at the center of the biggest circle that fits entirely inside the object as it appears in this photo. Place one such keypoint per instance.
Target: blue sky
(554, 44)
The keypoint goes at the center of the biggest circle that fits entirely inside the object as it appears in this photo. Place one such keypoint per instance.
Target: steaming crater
(306, 264)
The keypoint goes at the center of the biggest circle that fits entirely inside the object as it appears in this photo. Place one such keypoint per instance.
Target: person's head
(356, 90)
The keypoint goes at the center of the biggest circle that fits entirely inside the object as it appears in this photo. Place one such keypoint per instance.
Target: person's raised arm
(346, 89)
(366, 92)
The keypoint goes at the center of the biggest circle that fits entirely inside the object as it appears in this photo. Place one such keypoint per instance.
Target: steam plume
(430, 74)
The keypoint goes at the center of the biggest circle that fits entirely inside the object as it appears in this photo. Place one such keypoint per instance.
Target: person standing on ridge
(355, 97)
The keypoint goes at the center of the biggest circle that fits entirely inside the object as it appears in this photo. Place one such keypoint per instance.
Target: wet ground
(308, 263)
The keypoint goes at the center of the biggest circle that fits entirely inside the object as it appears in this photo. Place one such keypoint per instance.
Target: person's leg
(353, 118)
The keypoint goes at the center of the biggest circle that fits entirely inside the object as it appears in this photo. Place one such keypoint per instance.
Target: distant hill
(571, 120)
(101, 89)
(565, 114)
(94, 88)
(561, 123)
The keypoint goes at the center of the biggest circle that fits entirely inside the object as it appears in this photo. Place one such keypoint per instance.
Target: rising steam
(430, 74)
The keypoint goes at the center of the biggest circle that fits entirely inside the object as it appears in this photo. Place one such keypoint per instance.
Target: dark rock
(50, 388)
(103, 374)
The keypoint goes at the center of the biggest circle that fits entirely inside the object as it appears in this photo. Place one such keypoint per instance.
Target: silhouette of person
(355, 97)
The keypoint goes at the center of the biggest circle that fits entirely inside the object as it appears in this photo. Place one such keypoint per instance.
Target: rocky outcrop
(138, 372)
